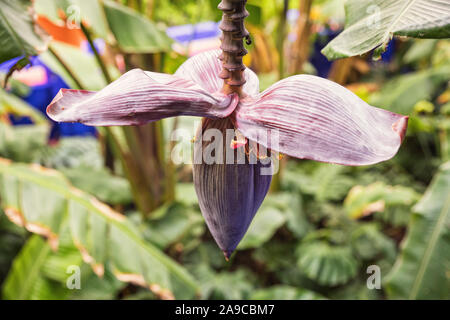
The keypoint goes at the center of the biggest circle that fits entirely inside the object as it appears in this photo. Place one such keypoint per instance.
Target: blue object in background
(40, 97)
(388, 55)
(317, 59)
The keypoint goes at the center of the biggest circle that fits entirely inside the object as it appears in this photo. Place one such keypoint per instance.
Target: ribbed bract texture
(228, 194)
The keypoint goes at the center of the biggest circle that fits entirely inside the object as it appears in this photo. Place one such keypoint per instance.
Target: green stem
(66, 68)
(97, 55)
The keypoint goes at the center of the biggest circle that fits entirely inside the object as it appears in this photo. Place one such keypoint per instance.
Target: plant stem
(97, 55)
(107, 152)
(232, 46)
(66, 68)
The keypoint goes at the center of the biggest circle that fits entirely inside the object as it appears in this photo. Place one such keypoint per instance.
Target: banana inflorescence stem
(233, 49)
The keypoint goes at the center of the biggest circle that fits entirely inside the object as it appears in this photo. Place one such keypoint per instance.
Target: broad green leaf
(323, 181)
(370, 24)
(101, 184)
(73, 152)
(134, 32)
(326, 264)
(87, 11)
(255, 17)
(28, 277)
(402, 93)
(82, 64)
(41, 200)
(368, 242)
(362, 201)
(296, 219)
(19, 36)
(26, 269)
(23, 143)
(278, 257)
(177, 221)
(266, 222)
(283, 292)
(423, 266)
(441, 56)
(224, 285)
(420, 50)
(95, 288)
(12, 105)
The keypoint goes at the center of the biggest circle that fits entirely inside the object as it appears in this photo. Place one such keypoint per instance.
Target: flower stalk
(233, 50)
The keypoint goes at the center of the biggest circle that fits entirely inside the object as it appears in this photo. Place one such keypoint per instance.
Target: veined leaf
(323, 181)
(12, 105)
(282, 292)
(134, 32)
(370, 24)
(27, 279)
(402, 92)
(235, 285)
(101, 184)
(368, 241)
(18, 34)
(90, 12)
(81, 63)
(41, 200)
(266, 222)
(420, 50)
(25, 269)
(326, 264)
(23, 143)
(422, 269)
(73, 152)
(176, 221)
(362, 201)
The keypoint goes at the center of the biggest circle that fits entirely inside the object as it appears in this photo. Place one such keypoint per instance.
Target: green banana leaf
(81, 63)
(12, 105)
(423, 266)
(370, 24)
(18, 34)
(365, 200)
(402, 92)
(42, 201)
(326, 264)
(134, 32)
(90, 12)
(28, 278)
(284, 292)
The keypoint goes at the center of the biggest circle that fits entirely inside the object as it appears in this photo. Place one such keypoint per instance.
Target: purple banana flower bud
(229, 192)
(313, 118)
